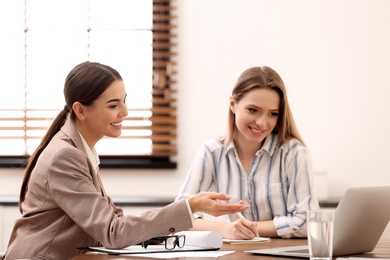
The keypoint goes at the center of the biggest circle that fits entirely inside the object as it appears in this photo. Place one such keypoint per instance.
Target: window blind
(135, 37)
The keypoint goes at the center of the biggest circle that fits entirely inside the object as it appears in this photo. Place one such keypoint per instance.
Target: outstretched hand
(214, 203)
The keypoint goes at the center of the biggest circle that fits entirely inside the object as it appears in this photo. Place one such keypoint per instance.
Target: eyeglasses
(170, 242)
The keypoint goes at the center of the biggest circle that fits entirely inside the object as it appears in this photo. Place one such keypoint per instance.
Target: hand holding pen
(252, 227)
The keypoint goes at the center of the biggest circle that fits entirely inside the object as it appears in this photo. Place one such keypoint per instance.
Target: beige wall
(334, 58)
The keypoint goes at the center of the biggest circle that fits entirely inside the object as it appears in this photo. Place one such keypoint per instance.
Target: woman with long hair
(262, 160)
(63, 202)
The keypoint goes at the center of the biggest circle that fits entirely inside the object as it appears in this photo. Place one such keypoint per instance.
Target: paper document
(151, 249)
(195, 241)
(247, 241)
(196, 254)
(204, 239)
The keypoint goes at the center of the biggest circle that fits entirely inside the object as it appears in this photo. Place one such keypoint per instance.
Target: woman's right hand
(240, 229)
(213, 203)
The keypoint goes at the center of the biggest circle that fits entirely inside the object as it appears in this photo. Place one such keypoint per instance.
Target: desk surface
(382, 250)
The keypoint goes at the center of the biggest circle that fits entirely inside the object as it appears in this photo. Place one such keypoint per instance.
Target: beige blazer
(66, 208)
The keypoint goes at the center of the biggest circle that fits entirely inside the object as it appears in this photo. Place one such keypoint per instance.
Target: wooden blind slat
(163, 8)
(162, 45)
(163, 36)
(164, 17)
(156, 137)
(159, 127)
(154, 110)
(163, 27)
(163, 91)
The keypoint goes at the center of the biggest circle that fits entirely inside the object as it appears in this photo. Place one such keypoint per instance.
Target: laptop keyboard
(298, 251)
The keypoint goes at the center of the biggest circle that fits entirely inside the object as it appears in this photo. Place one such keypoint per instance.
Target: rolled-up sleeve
(301, 194)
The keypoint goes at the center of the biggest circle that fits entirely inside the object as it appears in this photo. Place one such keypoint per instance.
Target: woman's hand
(213, 203)
(240, 229)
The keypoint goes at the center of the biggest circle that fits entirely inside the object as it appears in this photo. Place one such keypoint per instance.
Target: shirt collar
(268, 146)
(92, 155)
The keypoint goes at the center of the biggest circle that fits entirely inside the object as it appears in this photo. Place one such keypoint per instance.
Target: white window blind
(42, 40)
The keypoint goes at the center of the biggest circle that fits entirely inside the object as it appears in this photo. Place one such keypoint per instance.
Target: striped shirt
(279, 186)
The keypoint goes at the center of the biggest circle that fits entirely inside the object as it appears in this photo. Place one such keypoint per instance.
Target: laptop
(360, 219)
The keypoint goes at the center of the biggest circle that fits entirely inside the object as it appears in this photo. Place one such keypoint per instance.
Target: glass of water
(320, 233)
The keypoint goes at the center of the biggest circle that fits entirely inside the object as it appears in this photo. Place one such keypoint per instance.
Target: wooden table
(382, 250)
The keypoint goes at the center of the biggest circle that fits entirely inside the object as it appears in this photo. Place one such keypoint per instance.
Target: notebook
(360, 219)
(254, 240)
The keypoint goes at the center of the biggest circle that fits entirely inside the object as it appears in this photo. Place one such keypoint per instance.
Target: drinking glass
(320, 233)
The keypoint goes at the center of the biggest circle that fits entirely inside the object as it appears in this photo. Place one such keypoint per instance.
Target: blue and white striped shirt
(279, 186)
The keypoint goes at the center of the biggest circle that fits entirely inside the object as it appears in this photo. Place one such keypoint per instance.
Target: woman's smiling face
(104, 117)
(256, 114)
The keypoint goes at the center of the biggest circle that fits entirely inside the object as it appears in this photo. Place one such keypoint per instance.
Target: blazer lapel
(71, 132)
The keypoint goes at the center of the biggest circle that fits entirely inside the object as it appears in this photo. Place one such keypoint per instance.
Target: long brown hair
(264, 78)
(84, 84)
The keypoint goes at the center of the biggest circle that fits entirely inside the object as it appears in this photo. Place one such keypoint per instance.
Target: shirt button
(172, 230)
(295, 228)
(250, 201)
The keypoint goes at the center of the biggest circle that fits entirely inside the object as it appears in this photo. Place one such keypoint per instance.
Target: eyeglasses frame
(146, 243)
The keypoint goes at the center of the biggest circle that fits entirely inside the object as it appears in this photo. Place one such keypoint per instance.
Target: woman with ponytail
(63, 203)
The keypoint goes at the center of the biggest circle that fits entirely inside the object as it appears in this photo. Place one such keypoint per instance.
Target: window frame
(163, 102)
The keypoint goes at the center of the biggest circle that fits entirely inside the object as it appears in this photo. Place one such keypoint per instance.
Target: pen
(239, 214)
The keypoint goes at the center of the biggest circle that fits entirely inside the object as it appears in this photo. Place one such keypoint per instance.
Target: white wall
(334, 57)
